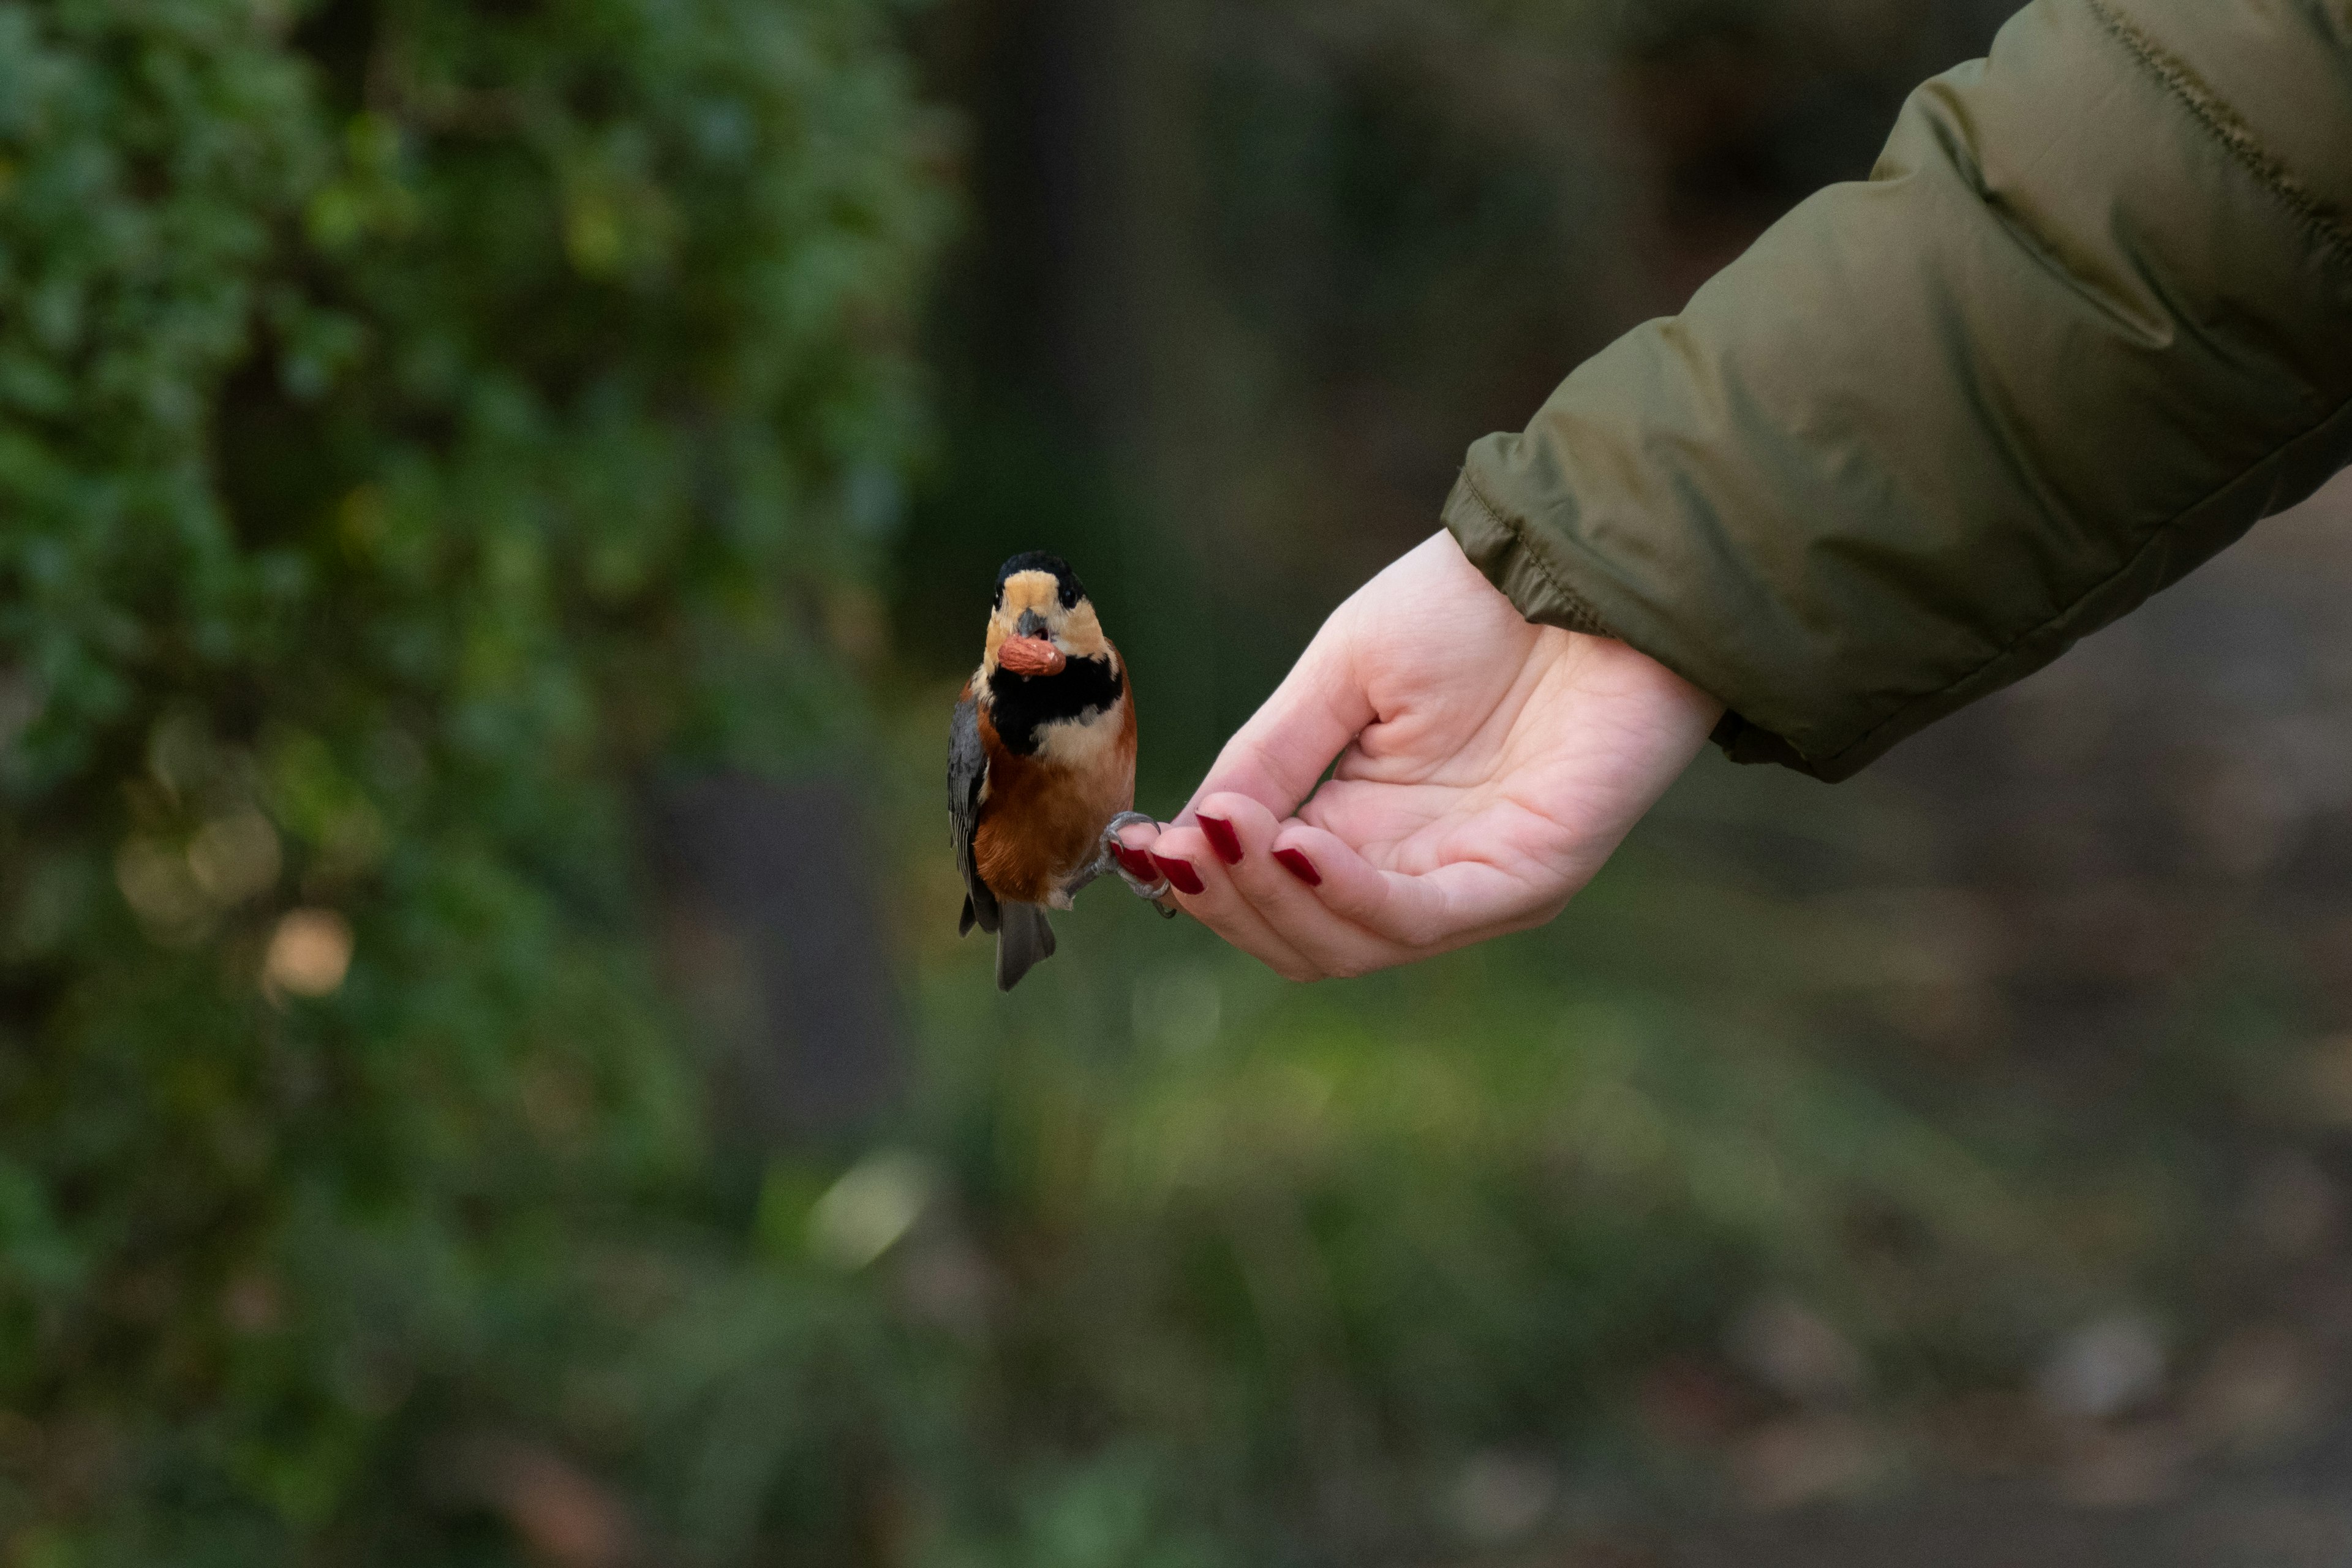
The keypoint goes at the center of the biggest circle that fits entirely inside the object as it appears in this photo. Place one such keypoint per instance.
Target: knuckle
(1417, 928)
(1541, 914)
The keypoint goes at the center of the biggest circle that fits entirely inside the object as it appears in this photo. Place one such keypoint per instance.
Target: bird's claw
(1154, 890)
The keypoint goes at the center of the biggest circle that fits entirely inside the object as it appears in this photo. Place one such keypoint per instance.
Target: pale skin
(1486, 769)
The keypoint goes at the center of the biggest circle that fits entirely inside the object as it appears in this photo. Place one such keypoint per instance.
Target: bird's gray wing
(967, 772)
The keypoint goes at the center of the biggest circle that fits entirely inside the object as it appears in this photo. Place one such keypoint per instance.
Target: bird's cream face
(1032, 611)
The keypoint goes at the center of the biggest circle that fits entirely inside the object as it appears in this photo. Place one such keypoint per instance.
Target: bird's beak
(1030, 624)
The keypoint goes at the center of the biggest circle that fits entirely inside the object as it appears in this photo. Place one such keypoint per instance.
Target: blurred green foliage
(416, 420)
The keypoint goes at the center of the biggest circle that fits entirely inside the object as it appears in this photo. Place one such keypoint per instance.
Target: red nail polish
(1221, 838)
(1137, 862)
(1180, 874)
(1300, 867)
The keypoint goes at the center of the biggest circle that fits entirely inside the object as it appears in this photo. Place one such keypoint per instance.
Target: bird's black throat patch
(1019, 705)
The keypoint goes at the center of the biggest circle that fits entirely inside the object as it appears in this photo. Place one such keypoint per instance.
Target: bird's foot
(1153, 889)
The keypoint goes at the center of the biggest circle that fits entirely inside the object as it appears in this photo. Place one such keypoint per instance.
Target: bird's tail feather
(1023, 940)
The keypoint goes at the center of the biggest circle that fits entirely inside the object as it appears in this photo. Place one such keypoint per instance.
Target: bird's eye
(1069, 595)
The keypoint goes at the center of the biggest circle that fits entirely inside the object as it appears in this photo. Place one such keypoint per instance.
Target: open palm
(1486, 769)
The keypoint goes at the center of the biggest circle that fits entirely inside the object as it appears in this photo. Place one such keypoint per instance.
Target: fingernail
(1221, 838)
(1136, 861)
(1180, 874)
(1300, 867)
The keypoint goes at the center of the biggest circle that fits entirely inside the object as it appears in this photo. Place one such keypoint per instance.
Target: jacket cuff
(1508, 557)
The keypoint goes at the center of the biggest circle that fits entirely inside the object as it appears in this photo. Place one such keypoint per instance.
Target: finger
(1276, 757)
(1132, 843)
(1280, 889)
(1456, 902)
(1197, 874)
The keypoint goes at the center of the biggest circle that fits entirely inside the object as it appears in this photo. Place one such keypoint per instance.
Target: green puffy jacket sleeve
(2089, 319)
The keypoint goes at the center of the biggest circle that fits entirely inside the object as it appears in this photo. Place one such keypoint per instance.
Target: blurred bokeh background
(494, 502)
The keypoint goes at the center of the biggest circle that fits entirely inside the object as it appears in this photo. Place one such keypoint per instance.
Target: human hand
(1487, 768)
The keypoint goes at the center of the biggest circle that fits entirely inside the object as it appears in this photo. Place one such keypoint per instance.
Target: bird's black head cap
(1039, 560)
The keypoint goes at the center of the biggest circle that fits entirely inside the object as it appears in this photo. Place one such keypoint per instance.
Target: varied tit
(1041, 763)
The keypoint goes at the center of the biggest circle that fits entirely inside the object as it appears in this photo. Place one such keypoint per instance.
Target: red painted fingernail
(1137, 862)
(1180, 874)
(1221, 838)
(1300, 867)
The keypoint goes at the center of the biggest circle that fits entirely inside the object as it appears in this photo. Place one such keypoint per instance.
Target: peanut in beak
(1030, 656)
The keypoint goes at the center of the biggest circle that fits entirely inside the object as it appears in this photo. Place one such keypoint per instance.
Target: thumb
(1320, 706)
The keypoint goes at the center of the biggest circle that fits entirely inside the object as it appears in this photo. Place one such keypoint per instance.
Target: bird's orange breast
(1043, 820)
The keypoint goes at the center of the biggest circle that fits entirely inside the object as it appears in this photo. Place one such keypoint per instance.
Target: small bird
(1041, 763)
